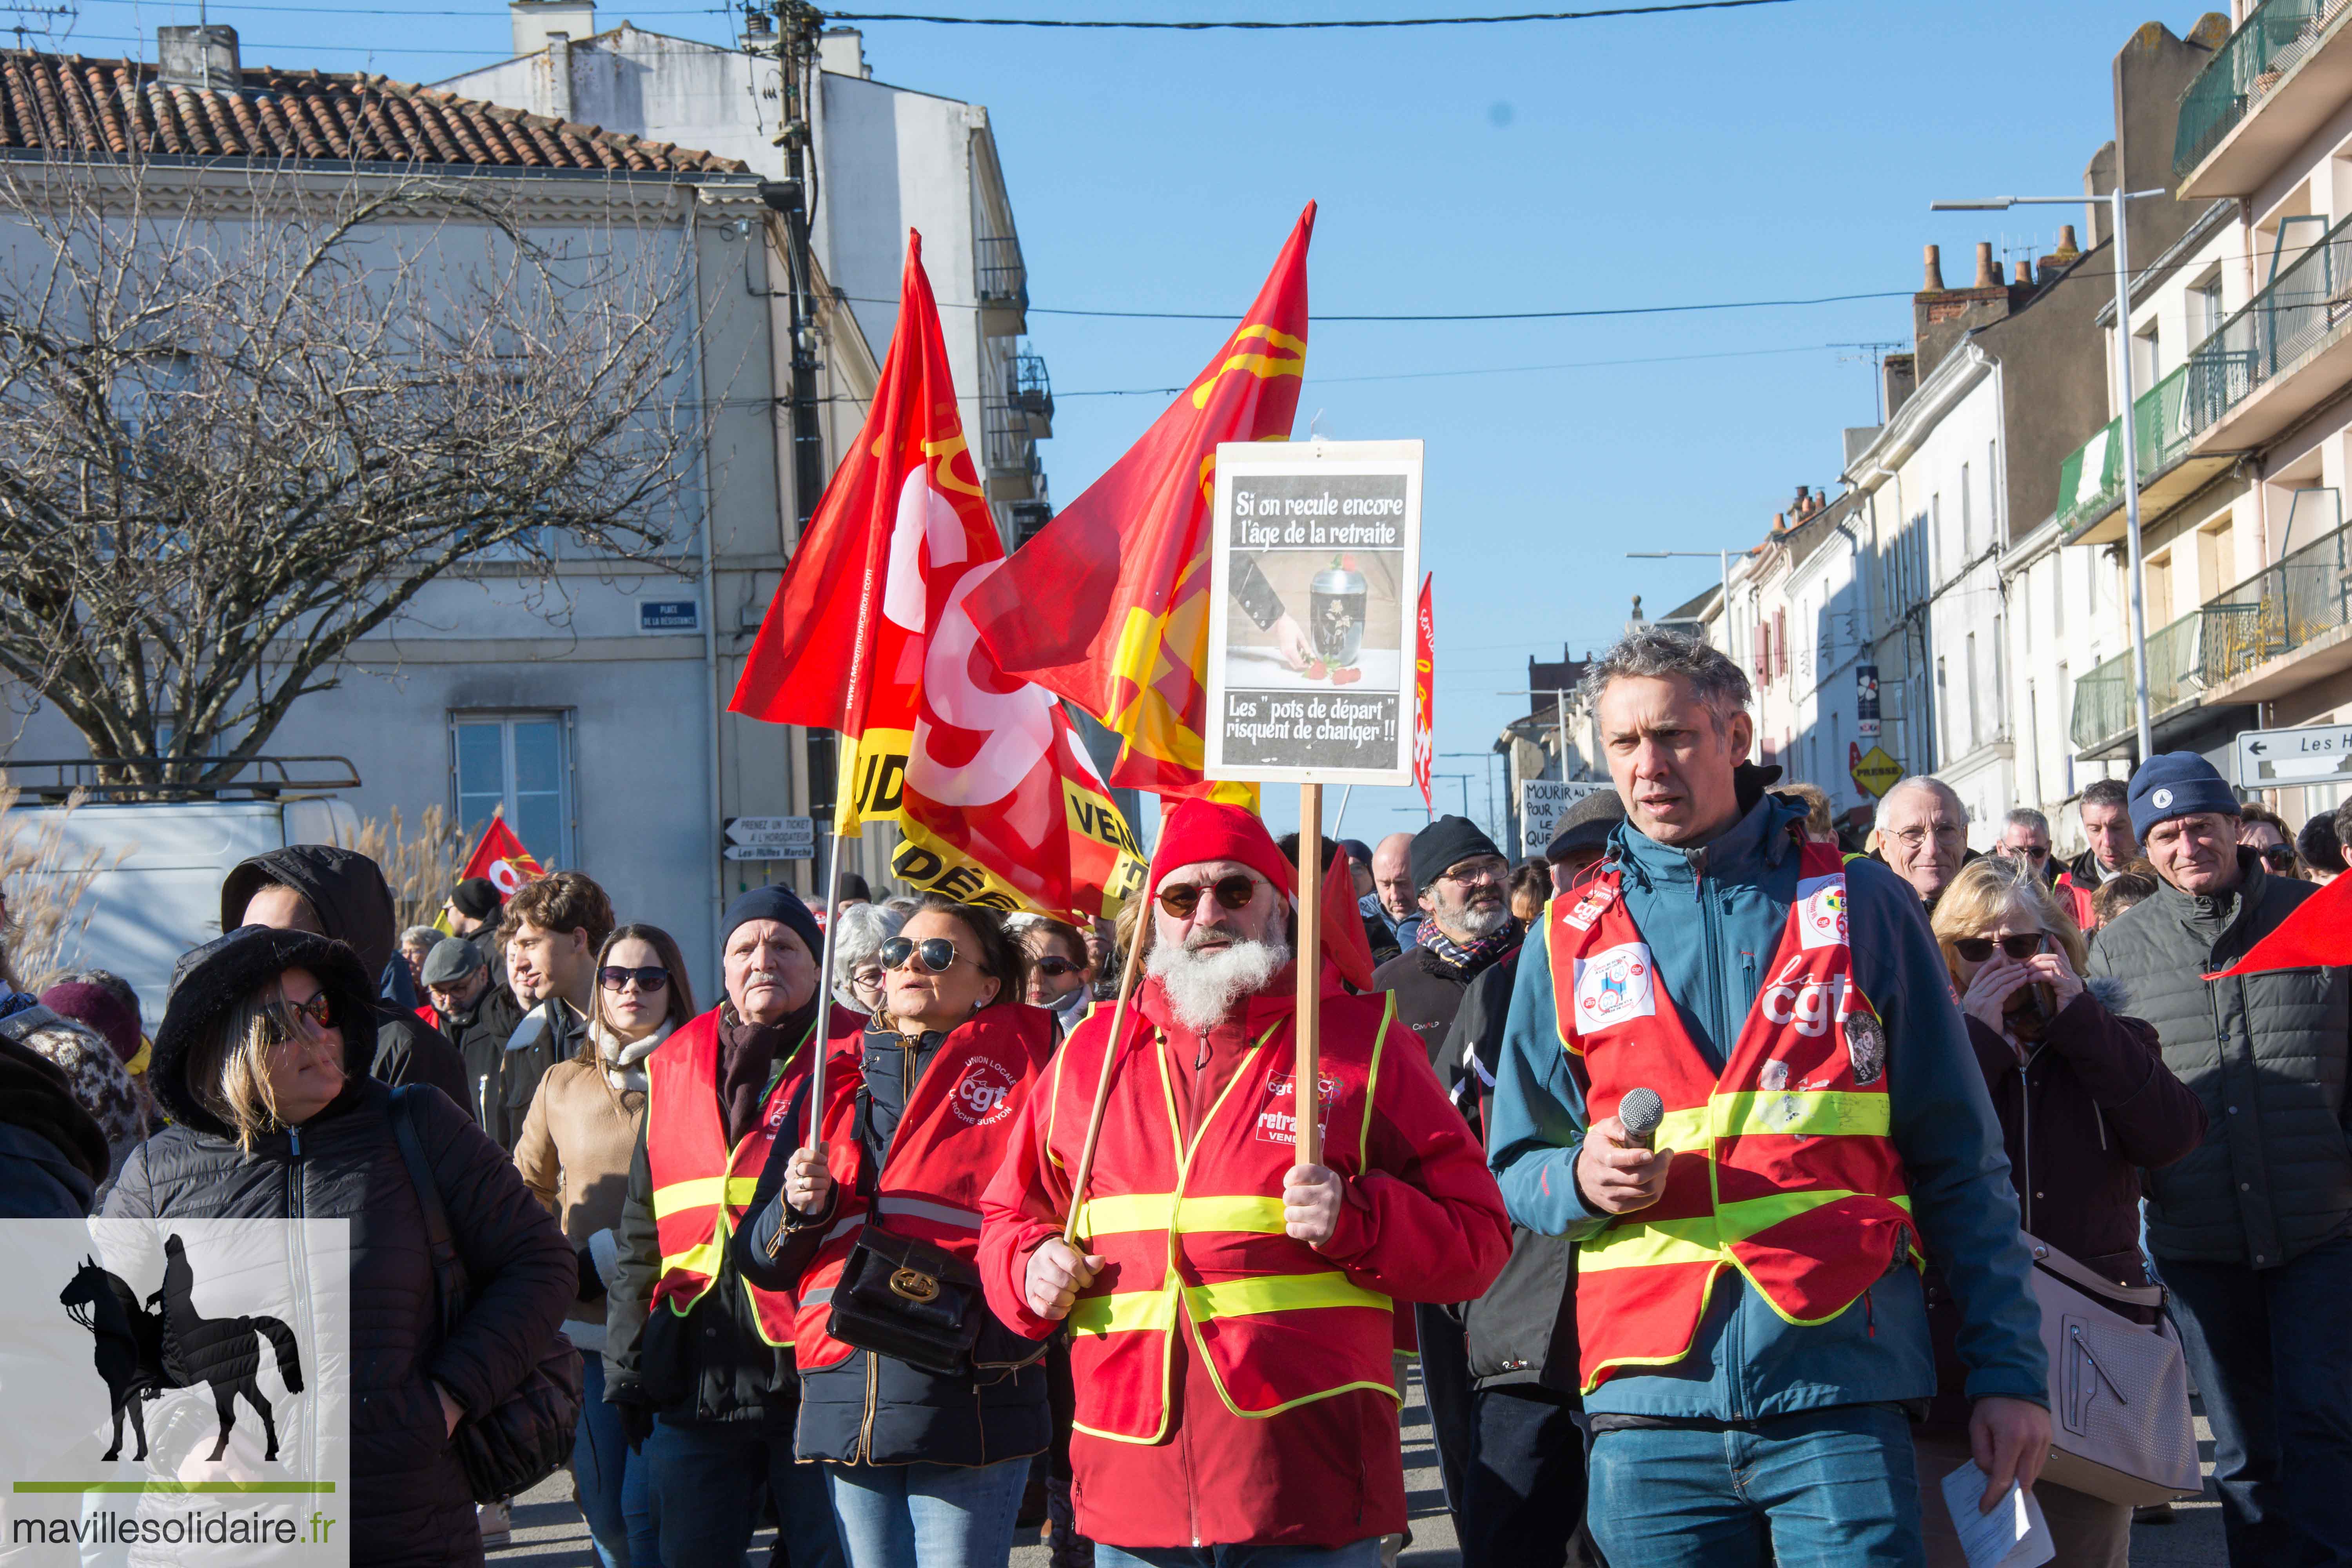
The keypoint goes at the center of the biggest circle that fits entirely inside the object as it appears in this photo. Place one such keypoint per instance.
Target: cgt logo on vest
(984, 1094)
(1615, 985)
(1810, 1005)
(1276, 1124)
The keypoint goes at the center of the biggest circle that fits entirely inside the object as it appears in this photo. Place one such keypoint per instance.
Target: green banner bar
(305, 1488)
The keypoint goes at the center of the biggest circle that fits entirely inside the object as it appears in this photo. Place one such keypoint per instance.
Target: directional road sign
(1876, 772)
(2276, 759)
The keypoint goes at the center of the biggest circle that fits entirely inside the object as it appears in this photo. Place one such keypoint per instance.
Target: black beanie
(476, 898)
(1448, 842)
(773, 902)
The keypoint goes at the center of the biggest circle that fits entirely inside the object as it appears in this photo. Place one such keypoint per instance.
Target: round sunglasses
(649, 979)
(1234, 892)
(937, 953)
(2021, 946)
(1053, 968)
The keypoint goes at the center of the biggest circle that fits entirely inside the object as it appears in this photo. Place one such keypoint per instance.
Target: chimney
(2066, 246)
(1934, 284)
(558, 96)
(1900, 376)
(2025, 272)
(535, 22)
(1988, 270)
(202, 58)
(841, 51)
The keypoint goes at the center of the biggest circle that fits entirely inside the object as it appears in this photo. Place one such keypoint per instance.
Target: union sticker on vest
(1275, 1125)
(1821, 910)
(1614, 985)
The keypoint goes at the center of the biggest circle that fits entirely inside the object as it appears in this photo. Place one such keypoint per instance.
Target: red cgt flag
(2317, 934)
(1109, 605)
(982, 773)
(1424, 695)
(501, 858)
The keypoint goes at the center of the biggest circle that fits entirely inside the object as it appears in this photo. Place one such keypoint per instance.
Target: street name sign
(1542, 803)
(2281, 759)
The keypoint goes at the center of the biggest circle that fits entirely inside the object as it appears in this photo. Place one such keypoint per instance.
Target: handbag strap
(2089, 1280)
(449, 1282)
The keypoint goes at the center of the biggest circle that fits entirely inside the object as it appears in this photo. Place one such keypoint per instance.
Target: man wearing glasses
(2252, 1232)
(1231, 1310)
(1923, 833)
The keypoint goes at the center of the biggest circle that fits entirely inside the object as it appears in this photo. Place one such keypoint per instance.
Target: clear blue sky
(1781, 152)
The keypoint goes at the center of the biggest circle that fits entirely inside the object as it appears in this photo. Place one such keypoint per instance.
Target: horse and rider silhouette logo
(141, 1354)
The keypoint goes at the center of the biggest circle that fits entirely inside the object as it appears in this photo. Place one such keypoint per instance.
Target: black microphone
(1639, 1113)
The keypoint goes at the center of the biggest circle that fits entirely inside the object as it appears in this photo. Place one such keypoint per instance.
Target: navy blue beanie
(2177, 784)
(773, 902)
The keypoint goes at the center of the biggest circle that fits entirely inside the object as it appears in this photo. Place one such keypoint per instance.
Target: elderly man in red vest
(1232, 1312)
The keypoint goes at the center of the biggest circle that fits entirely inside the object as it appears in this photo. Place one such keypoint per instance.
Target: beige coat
(573, 1154)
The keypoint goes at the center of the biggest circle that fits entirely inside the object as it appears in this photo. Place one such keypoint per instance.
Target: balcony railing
(2273, 40)
(2270, 615)
(1032, 393)
(2091, 481)
(1004, 280)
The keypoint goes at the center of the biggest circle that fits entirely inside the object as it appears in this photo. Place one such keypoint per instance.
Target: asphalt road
(548, 1534)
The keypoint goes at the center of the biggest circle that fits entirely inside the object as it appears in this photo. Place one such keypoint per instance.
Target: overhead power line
(1258, 26)
(1454, 316)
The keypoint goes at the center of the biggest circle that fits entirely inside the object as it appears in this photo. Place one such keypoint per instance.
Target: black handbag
(901, 1297)
(527, 1437)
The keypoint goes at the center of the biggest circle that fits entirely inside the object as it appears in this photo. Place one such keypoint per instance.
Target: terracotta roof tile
(73, 104)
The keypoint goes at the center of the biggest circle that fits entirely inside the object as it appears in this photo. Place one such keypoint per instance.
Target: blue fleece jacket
(1712, 919)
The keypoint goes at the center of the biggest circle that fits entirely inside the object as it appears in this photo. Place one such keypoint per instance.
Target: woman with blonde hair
(573, 1154)
(2085, 1102)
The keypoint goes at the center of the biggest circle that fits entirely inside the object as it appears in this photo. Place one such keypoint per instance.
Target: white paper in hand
(2013, 1535)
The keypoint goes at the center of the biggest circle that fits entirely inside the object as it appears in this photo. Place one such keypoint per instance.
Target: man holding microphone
(1752, 1321)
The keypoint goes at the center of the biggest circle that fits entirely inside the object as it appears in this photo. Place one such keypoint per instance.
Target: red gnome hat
(1202, 830)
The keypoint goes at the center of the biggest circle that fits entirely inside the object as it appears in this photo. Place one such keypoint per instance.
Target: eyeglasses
(649, 980)
(1234, 892)
(1912, 838)
(1494, 868)
(1977, 949)
(2278, 857)
(318, 1015)
(938, 953)
(1055, 968)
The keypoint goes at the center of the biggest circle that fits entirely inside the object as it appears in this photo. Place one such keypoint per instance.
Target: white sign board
(1315, 557)
(2281, 759)
(1542, 803)
(771, 838)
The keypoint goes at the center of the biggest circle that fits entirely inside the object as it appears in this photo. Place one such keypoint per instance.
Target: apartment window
(1992, 488)
(2204, 308)
(2000, 675)
(2057, 594)
(2066, 722)
(1968, 520)
(521, 763)
(2147, 358)
(1943, 711)
(2033, 745)
(1968, 673)
(1936, 531)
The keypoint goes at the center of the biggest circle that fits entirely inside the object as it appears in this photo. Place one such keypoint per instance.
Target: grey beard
(1201, 986)
(1476, 923)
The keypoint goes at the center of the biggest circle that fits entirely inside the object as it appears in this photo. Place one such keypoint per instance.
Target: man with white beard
(1232, 1311)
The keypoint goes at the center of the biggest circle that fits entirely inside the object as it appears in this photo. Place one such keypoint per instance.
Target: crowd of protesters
(896, 1343)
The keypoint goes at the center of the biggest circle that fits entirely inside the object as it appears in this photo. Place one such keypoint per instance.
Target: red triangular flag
(2319, 934)
(1345, 946)
(500, 858)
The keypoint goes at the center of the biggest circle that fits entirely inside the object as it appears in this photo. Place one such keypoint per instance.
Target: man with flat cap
(1583, 835)
(478, 1016)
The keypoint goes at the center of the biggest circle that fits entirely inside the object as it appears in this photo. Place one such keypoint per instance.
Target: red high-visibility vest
(950, 1138)
(1785, 1168)
(2077, 901)
(1192, 1234)
(700, 1186)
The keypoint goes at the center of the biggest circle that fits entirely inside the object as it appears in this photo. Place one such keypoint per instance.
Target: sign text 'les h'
(2274, 759)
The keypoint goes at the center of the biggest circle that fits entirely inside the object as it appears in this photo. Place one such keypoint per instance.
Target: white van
(157, 891)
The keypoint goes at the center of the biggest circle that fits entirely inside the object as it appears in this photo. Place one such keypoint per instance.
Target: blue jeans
(1822, 1489)
(1524, 1495)
(927, 1516)
(2272, 1349)
(706, 1482)
(1364, 1553)
(600, 1462)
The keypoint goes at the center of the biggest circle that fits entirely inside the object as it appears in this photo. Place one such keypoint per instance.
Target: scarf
(1471, 957)
(623, 1063)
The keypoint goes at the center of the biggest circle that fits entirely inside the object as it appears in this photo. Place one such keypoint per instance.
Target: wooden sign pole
(1102, 1079)
(1306, 1080)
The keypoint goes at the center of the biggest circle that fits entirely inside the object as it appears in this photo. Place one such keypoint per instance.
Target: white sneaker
(497, 1519)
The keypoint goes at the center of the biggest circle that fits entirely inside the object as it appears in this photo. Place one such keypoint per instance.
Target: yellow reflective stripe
(703, 1260)
(1637, 1244)
(1682, 1130)
(696, 1191)
(1123, 1312)
(1810, 1113)
(1277, 1293)
(1153, 1210)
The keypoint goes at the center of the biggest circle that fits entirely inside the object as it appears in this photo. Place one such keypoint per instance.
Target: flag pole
(1102, 1081)
(1306, 1079)
(851, 708)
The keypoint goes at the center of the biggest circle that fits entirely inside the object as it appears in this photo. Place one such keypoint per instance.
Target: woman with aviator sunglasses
(574, 1152)
(2085, 1102)
(921, 1464)
(1061, 975)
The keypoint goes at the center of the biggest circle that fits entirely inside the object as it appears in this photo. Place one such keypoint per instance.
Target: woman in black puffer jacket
(275, 1117)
